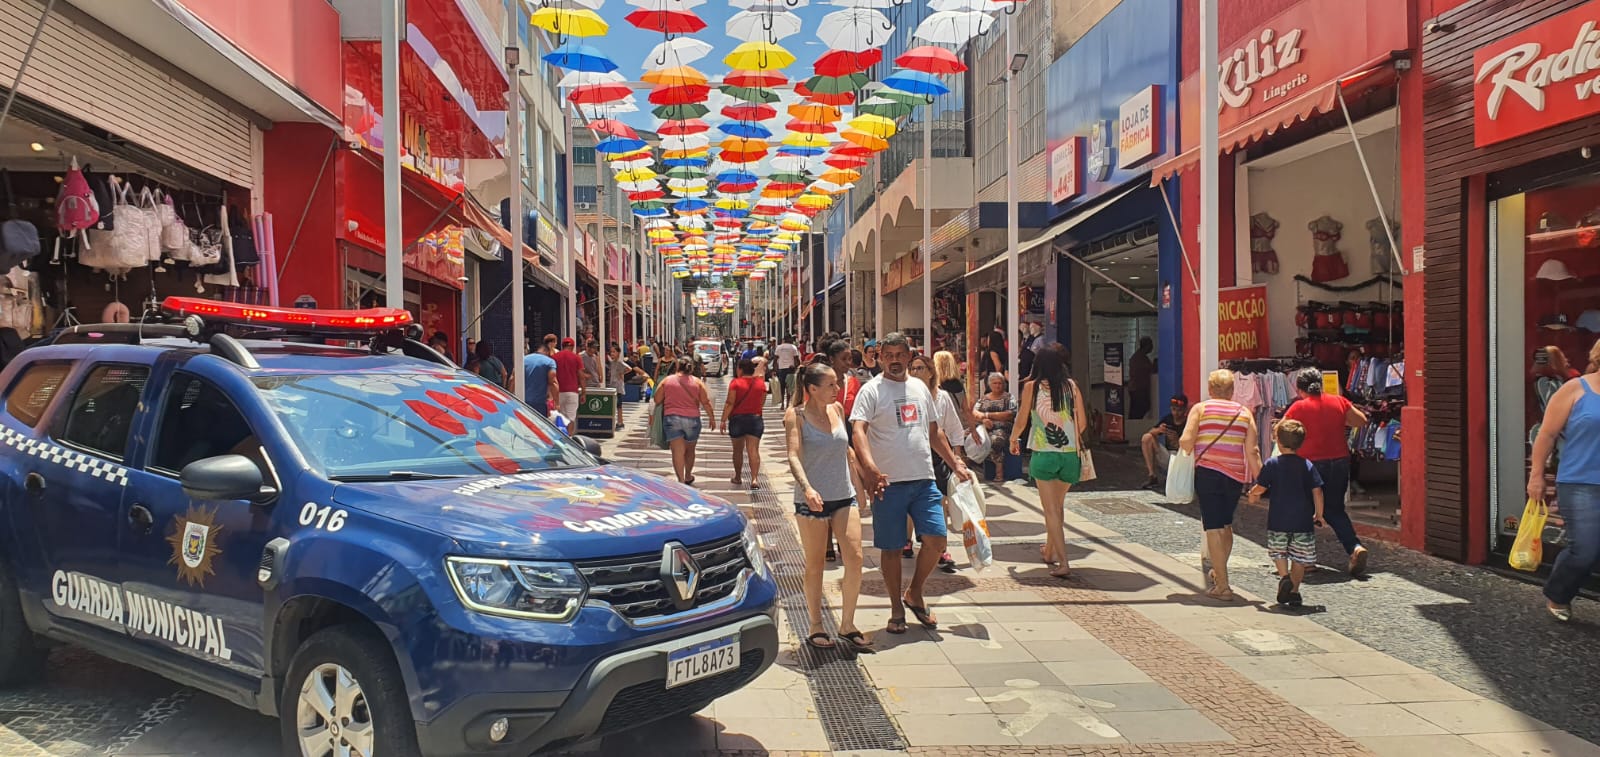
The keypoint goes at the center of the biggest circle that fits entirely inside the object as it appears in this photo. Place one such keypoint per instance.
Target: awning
(1061, 227)
(480, 219)
(1325, 99)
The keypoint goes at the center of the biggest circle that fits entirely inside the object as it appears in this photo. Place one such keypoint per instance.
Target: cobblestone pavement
(1121, 659)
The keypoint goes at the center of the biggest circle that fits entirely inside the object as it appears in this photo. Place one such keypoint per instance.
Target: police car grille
(632, 585)
(645, 702)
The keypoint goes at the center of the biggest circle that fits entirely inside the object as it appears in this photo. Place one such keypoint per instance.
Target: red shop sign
(1542, 76)
(1242, 323)
(1267, 76)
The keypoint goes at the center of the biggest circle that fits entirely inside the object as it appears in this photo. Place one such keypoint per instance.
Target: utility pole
(519, 342)
(1013, 286)
(1210, 174)
(394, 271)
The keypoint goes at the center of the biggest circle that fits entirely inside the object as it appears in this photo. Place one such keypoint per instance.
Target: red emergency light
(307, 319)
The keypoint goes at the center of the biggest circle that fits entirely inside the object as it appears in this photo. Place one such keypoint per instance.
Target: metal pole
(1210, 182)
(605, 258)
(27, 57)
(394, 272)
(849, 300)
(519, 341)
(827, 288)
(570, 264)
(877, 250)
(927, 226)
(1013, 286)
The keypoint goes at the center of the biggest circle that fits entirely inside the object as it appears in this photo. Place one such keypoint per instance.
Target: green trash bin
(597, 412)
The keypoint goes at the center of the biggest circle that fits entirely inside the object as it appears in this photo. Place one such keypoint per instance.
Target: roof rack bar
(416, 349)
(121, 333)
(228, 348)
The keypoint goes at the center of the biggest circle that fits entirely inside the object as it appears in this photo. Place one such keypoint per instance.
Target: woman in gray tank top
(821, 460)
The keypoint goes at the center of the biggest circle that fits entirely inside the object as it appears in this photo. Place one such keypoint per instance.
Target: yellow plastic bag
(1527, 552)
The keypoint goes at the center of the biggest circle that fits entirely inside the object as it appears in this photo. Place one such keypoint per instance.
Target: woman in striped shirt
(1221, 434)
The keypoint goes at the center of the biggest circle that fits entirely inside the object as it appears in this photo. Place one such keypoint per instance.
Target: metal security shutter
(90, 79)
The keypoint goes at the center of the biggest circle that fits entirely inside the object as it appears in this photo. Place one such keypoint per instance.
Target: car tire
(22, 658)
(378, 706)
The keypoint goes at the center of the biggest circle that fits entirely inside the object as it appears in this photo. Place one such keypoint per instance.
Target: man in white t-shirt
(788, 357)
(895, 438)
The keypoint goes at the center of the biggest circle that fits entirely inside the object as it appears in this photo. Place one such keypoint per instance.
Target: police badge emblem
(194, 545)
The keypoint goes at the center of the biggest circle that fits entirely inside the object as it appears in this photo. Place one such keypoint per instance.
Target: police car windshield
(409, 426)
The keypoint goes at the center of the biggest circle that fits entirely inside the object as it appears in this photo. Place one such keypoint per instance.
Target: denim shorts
(681, 427)
(918, 499)
(746, 425)
(1218, 495)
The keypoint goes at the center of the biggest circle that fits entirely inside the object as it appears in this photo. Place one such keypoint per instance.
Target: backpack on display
(174, 234)
(125, 246)
(77, 211)
(19, 239)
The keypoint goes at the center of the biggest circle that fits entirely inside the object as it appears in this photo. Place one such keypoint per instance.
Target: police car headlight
(533, 590)
(752, 549)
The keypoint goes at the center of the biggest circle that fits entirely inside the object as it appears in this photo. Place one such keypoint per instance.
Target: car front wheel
(344, 696)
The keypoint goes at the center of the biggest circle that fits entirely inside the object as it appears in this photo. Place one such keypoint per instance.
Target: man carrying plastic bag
(968, 498)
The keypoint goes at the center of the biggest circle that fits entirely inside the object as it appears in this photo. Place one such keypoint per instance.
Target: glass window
(583, 156)
(103, 409)
(199, 421)
(378, 424)
(31, 393)
(582, 193)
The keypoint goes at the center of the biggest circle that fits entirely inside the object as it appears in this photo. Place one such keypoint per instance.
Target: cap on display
(1554, 270)
(1589, 321)
(1557, 322)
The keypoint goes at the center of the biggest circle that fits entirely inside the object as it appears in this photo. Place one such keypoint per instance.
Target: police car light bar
(295, 319)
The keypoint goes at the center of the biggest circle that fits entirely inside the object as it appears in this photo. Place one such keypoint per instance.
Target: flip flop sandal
(858, 641)
(896, 625)
(923, 616)
(816, 639)
(1065, 575)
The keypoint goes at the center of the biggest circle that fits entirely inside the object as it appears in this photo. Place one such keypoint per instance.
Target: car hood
(594, 512)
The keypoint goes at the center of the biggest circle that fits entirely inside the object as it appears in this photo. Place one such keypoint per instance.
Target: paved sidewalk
(1121, 659)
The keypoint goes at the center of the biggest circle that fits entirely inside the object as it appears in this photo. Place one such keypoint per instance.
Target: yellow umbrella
(759, 56)
(685, 154)
(815, 113)
(828, 190)
(675, 76)
(841, 176)
(877, 126)
(731, 204)
(875, 144)
(637, 174)
(791, 225)
(802, 139)
(573, 22)
(780, 193)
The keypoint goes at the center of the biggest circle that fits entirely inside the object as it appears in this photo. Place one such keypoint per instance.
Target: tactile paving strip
(852, 715)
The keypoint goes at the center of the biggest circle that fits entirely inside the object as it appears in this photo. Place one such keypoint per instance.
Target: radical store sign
(1545, 75)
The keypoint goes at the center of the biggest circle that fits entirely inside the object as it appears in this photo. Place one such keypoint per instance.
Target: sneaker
(1285, 590)
(1295, 601)
(947, 563)
(1358, 562)
(908, 552)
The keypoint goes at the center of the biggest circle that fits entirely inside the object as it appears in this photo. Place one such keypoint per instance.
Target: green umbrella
(790, 177)
(902, 97)
(835, 85)
(750, 94)
(686, 172)
(649, 205)
(680, 112)
(889, 109)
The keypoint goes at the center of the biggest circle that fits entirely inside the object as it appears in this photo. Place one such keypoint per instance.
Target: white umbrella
(629, 165)
(868, 3)
(582, 78)
(828, 186)
(953, 27)
(685, 141)
(790, 163)
(666, 5)
(692, 222)
(638, 186)
(854, 29)
(678, 51)
(763, 26)
(768, 5)
(987, 6)
(593, 5)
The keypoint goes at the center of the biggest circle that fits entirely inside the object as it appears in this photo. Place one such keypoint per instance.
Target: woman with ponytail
(1573, 413)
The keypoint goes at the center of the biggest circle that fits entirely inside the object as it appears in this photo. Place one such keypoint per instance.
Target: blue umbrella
(618, 146)
(916, 82)
(745, 130)
(685, 162)
(651, 212)
(736, 177)
(803, 152)
(580, 58)
(692, 204)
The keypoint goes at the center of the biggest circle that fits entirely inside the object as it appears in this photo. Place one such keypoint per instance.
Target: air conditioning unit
(585, 206)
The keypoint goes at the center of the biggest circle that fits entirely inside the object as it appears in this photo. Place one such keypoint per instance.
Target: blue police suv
(311, 514)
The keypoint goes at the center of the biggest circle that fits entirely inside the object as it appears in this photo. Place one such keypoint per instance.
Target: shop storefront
(1513, 271)
(1310, 200)
(1110, 249)
(131, 199)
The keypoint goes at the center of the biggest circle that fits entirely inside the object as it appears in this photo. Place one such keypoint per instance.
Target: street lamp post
(877, 249)
(570, 265)
(1013, 286)
(394, 272)
(927, 226)
(514, 198)
(1210, 168)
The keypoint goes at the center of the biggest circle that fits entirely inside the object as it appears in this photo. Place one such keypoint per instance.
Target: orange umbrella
(676, 76)
(865, 140)
(816, 113)
(742, 144)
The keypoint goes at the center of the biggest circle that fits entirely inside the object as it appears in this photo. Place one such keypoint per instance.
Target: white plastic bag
(976, 445)
(968, 498)
(1180, 478)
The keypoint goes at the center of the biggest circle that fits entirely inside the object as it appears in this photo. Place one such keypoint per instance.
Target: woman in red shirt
(1326, 416)
(741, 418)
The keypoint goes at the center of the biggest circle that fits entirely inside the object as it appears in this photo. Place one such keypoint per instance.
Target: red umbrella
(736, 188)
(845, 162)
(593, 94)
(808, 127)
(852, 150)
(742, 156)
(750, 112)
(665, 21)
(844, 62)
(931, 59)
(679, 95)
(744, 78)
(843, 98)
(683, 127)
(648, 194)
(613, 127)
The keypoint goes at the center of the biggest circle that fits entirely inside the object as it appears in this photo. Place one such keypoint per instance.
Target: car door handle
(140, 517)
(34, 483)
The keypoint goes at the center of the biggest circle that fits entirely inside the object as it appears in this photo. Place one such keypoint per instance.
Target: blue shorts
(918, 499)
(681, 427)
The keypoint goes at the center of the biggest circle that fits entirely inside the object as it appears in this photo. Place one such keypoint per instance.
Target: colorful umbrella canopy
(590, 94)
(680, 112)
(760, 56)
(613, 127)
(571, 22)
(931, 59)
(575, 57)
(854, 29)
(842, 98)
(916, 82)
(677, 52)
(740, 78)
(750, 94)
(666, 21)
(750, 112)
(834, 85)
(760, 26)
(679, 95)
(843, 62)
(744, 129)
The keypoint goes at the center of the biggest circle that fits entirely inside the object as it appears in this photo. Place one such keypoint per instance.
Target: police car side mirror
(226, 477)
(590, 446)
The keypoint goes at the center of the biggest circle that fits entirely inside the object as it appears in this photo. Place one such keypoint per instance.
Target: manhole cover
(1117, 506)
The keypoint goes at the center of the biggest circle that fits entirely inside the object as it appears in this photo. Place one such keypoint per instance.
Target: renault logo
(680, 573)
